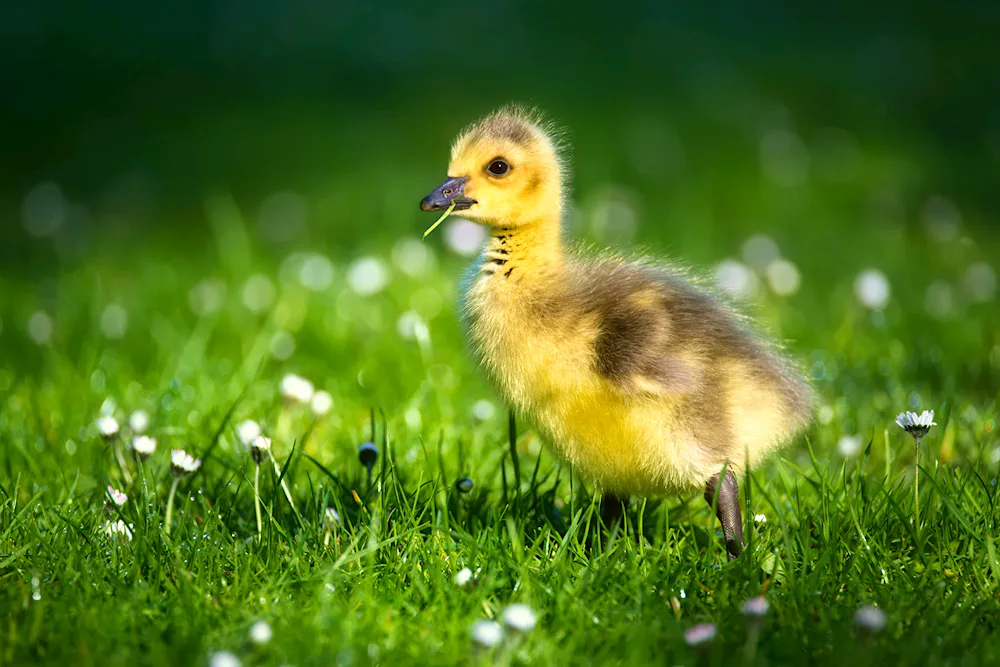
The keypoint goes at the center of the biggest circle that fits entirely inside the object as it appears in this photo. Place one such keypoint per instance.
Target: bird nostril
(447, 192)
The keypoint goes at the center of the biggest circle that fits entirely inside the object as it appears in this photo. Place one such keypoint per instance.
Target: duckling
(646, 382)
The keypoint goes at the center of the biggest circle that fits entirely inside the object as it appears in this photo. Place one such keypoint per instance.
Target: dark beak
(448, 193)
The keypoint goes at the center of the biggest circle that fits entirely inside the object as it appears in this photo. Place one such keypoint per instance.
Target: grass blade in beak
(440, 220)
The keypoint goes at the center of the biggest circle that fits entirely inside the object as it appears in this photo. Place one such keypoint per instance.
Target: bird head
(505, 172)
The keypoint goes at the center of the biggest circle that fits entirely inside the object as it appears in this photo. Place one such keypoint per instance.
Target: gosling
(646, 382)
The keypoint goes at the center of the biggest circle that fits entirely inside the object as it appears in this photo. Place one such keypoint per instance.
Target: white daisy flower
(296, 389)
(760, 518)
(321, 403)
(260, 449)
(116, 529)
(143, 445)
(260, 633)
(107, 426)
(870, 618)
(182, 463)
(116, 496)
(247, 430)
(463, 576)
(916, 425)
(139, 421)
(519, 617)
(699, 634)
(487, 633)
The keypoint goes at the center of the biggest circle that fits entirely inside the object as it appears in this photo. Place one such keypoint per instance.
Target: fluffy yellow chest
(533, 352)
(542, 360)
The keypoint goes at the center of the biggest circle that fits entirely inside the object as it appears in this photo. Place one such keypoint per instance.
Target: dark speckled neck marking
(498, 252)
(526, 255)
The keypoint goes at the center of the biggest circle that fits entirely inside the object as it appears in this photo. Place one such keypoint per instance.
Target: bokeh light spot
(40, 327)
(464, 237)
(367, 276)
(114, 322)
(783, 277)
(980, 282)
(736, 278)
(871, 288)
(258, 293)
(413, 257)
(43, 210)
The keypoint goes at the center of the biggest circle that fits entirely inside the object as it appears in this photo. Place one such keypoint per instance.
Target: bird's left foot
(612, 509)
(727, 508)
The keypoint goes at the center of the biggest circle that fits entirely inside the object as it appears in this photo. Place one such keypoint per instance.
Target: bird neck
(524, 253)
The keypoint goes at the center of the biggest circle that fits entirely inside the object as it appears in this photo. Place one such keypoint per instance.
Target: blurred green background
(854, 137)
(200, 197)
(136, 109)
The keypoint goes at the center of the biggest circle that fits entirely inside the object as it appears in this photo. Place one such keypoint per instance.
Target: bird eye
(498, 167)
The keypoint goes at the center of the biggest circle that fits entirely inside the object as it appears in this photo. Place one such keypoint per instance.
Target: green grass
(378, 588)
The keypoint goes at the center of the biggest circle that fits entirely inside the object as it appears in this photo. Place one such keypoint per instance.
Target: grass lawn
(199, 332)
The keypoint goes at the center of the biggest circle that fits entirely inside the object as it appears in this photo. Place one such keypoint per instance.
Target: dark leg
(612, 509)
(728, 510)
(612, 515)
